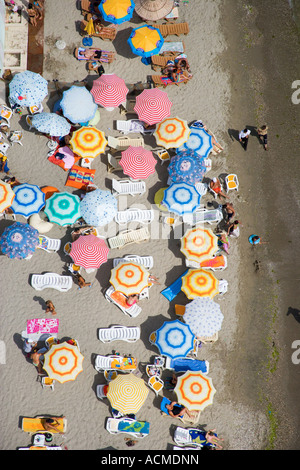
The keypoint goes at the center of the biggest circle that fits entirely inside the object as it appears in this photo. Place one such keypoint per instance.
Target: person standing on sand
(244, 137)
(50, 307)
(263, 135)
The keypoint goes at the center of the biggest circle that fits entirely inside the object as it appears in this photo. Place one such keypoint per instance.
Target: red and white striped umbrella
(89, 251)
(153, 105)
(137, 162)
(109, 90)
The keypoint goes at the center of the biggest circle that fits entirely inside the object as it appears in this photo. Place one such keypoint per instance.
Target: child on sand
(50, 307)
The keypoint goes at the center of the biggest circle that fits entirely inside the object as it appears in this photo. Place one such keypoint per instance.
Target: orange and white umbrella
(138, 162)
(129, 278)
(63, 362)
(88, 142)
(199, 244)
(109, 90)
(127, 393)
(194, 390)
(89, 251)
(6, 195)
(199, 283)
(153, 105)
(172, 132)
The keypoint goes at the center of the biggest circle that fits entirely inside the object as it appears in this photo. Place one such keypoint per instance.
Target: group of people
(262, 133)
(175, 68)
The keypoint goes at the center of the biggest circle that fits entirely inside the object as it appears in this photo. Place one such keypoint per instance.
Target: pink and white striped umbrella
(137, 162)
(109, 90)
(89, 251)
(153, 105)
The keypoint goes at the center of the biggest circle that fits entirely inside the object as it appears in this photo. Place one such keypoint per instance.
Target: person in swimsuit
(132, 299)
(215, 185)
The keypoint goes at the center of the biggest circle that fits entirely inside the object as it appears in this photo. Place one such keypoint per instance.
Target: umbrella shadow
(121, 45)
(295, 312)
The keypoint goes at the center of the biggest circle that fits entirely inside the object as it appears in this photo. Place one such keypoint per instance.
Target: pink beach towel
(43, 325)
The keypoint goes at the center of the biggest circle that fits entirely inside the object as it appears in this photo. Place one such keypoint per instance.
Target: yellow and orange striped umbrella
(194, 390)
(199, 244)
(172, 132)
(88, 142)
(199, 283)
(63, 362)
(127, 393)
(6, 195)
(129, 278)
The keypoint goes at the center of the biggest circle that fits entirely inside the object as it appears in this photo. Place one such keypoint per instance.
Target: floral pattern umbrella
(199, 141)
(109, 90)
(89, 251)
(127, 393)
(29, 199)
(19, 240)
(6, 196)
(98, 207)
(88, 142)
(153, 105)
(27, 89)
(199, 244)
(194, 390)
(137, 162)
(63, 362)
(174, 339)
(199, 283)
(187, 167)
(181, 198)
(145, 41)
(203, 316)
(63, 208)
(51, 123)
(78, 104)
(117, 12)
(129, 278)
(172, 132)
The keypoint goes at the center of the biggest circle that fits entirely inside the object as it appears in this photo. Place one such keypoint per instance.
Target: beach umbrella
(88, 142)
(187, 167)
(181, 198)
(194, 390)
(98, 207)
(174, 339)
(116, 12)
(27, 89)
(153, 105)
(203, 316)
(137, 162)
(129, 278)
(172, 132)
(29, 199)
(89, 251)
(145, 41)
(19, 240)
(199, 283)
(63, 208)
(153, 10)
(78, 104)
(51, 123)
(109, 90)
(127, 393)
(6, 195)
(63, 362)
(199, 244)
(199, 141)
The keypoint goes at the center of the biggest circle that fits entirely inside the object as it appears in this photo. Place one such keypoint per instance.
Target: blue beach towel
(174, 289)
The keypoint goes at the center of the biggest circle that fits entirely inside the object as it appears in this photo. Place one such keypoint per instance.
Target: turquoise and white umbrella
(78, 104)
(63, 208)
(199, 141)
(181, 198)
(27, 89)
(98, 207)
(203, 316)
(174, 339)
(28, 200)
(51, 123)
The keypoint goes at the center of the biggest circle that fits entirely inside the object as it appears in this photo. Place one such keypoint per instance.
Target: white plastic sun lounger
(122, 143)
(134, 215)
(115, 362)
(51, 245)
(51, 280)
(146, 261)
(208, 265)
(203, 215)
(138, 429)
(133, 310)
(120, 333)
(128, 187)
(133, 125)
(183, 437)
(129, 236)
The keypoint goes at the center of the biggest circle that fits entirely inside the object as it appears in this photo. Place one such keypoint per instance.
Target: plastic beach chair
(51, 280)
(193, 419)
(146, 261)
(123, 142)
(119, 333)
(119, 300)
(51, 245)
(138, 429)
(113, 163)
(203, 215)
(231, 182)
(133, 125)
(183, 364)
(218, 263)
(126, 237)
(115, 362)
(173, 29)
(34, 425)
(128, 187)
(134, 215)
(174, 289)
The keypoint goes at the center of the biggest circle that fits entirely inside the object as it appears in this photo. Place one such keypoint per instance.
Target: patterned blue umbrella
(181, 198)
(187, 167)
(199, 141)
(29, 199)
(174, 339)
(27, 89)
(203, 316)
(98, 207)
(19, 240)
(78, 104)
(51, 123)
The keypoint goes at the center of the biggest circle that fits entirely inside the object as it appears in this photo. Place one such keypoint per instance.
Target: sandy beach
(244, 59)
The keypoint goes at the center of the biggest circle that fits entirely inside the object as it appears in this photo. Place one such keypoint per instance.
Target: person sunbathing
(90, 54)
(178, 411)
(132, 299)
(215, 185)
(36, 360)
(51, 424)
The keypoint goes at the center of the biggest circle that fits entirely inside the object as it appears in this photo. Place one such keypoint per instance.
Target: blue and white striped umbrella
(98, 207)
(78, 104)
(29, 199)
(203, 316)
(63, 208)
(199, 141)
(181, 198)
(51, 123)
(187, 167)
(174, 339)
(27, 89)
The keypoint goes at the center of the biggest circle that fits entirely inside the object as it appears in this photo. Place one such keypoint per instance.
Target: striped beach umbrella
(27, 89)
(19, 240)
(29, 199)
(78, 104)
(116, 12)
(88, 142)
(172, 132)
(98, 207)
(174, 339)
(187, 167)
(63, 208)
(199, 244)
(109, 90)
(181, 198)
(89, 251)
(199, 283)
(153, 105)
(137, 162)
(127, 393)
(145, 41)
(203, 316)
(199, 141)
(63, 362)
(51, 123)
(129, 278)
(6, 195)
(153, 10)
(194, 390)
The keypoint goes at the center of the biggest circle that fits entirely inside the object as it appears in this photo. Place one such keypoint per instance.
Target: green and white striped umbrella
(63, 208)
